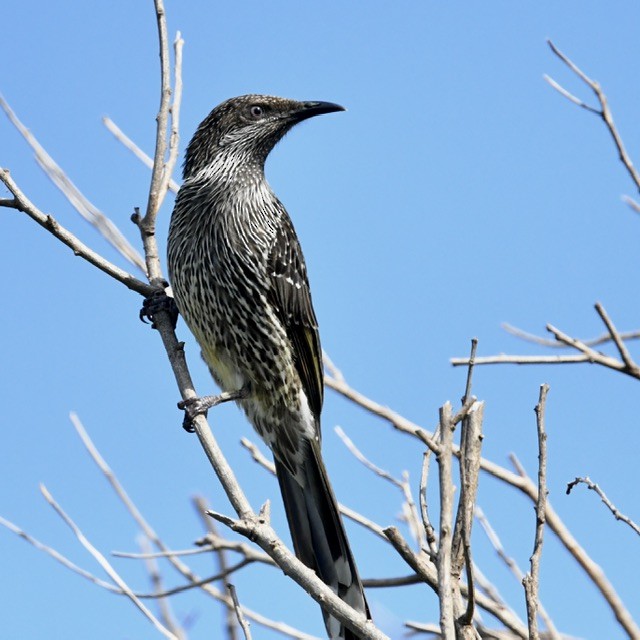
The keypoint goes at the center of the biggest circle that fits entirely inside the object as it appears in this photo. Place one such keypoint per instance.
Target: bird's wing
(292, 300)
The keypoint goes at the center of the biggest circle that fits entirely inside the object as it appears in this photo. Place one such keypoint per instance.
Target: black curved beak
(310, 109)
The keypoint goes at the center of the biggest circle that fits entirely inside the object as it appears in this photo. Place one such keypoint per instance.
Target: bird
(240, 282)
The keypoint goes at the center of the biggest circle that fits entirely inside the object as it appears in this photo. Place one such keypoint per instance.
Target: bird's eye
(256, 111)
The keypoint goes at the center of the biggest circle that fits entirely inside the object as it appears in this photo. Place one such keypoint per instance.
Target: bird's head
(247, 128)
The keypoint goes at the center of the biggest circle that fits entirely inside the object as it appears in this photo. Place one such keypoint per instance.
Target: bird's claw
(194, 407)
(158, 301)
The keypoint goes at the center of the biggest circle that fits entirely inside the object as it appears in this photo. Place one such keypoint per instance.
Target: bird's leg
(159, 301)
(198, 406)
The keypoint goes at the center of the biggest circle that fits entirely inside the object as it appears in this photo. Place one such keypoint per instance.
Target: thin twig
(531, 581)
(163, 554)
(410, 510)
(129, 144)
(48, 222)
(604, 112)
(183, 569)
(242, 621)
(594, 356)
(429, 575)
(513, 567)
(231, 615)
(215, 542)
(174, 136)
(634, 204)
(521, 482)
(472, 361)
(402, 581)
(546, 342)
(360, 457)
(106, 227)
(162, 168)
(430, 532)
(256, 527)
(330, 366)
(525, 360)
(164, 603)
(106, 566)
(617, 514)
(588, 354)
(632, 367)
(56, 555)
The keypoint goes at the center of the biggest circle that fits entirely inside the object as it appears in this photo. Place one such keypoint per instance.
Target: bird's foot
(157, 302)
(199, 406)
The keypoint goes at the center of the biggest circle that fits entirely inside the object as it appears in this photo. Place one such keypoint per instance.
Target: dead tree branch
(603, 112)
(617, 514)
(522, 482)
(531, 581)
(78, 200)
(106, 566)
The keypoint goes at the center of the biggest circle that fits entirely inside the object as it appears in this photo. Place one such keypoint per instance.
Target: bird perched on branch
(240, 282)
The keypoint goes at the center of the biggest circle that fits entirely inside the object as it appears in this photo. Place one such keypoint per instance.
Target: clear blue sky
(458, 191)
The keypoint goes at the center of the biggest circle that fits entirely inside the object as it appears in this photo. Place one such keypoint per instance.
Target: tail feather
(318, 535)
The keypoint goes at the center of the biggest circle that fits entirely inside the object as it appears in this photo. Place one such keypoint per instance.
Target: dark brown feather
(292, 299)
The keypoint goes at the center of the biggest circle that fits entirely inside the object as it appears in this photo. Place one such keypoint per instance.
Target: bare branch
(512, 565)
(162, 167)
(80, 202)
(162, 119)
(215, 542)
(631, 366)
(182, 568)
(163, 554)
(587, 353)
(632, 203)
(430, 533)
(617, 514)
(429, 575)
(164, 604)
(507, 359)
(48, 222)
(330, 366)
(531, 581)
(521, 482)
(546, 342)
(410, 512)
(244, 624)
(569, 95)
(593, 356)
(402, 581)
(445, 587)
(360, 457)
(471, 447)
(232, 616)
(174, 137)
(129, 144)
(256, 528)
(104, 563)
(604, 112)
(472, 361)
(56, 555)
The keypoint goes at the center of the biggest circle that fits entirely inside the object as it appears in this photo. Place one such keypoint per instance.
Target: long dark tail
(319, 538)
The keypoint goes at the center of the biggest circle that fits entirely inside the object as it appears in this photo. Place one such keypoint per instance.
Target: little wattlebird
(240, 282)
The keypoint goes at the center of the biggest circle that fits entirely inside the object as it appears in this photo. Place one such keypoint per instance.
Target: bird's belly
(223, 368)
